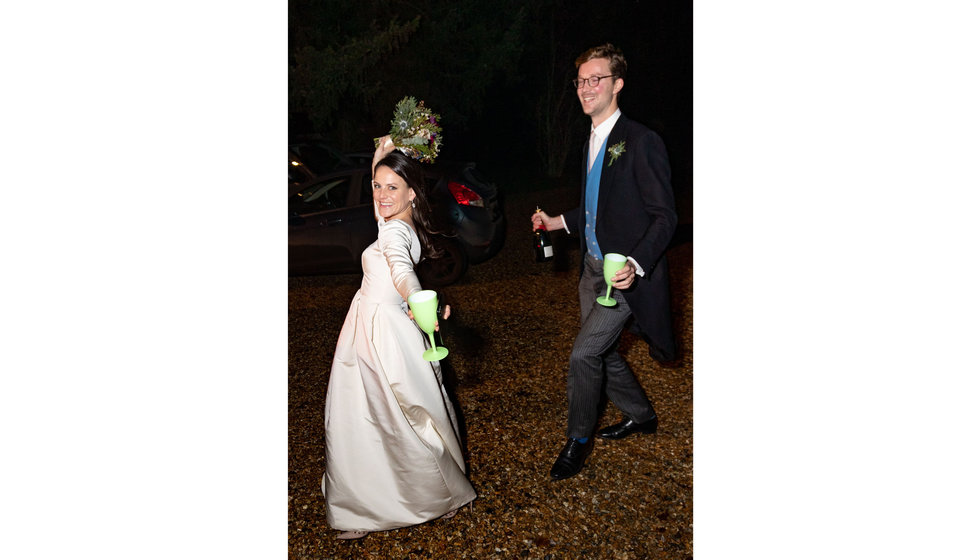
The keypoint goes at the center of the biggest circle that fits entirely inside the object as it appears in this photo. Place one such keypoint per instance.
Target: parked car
(331, 220)
(310, 158)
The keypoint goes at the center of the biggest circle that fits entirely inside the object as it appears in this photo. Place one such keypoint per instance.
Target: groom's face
(599, 101)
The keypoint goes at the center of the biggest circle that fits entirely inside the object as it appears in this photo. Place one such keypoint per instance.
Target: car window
(366, 189)
(325, 195)
(318, 158)
(298, 172)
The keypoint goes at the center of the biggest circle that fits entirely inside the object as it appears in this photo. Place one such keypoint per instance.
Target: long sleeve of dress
(396, 239)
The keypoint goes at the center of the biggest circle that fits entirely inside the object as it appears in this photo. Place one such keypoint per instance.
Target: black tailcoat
(637, 218)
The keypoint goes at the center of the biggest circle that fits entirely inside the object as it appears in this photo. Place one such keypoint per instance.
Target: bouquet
(415, 130)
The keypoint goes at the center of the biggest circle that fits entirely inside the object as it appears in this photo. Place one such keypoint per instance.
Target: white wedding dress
(393, 456)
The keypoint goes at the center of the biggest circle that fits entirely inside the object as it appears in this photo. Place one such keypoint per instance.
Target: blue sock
(582, 440)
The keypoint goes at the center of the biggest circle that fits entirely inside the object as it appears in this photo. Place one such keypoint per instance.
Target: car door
(325, 215)
(362, 223)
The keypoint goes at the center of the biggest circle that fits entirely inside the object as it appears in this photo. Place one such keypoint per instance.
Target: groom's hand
(550, 223)
(624, 278)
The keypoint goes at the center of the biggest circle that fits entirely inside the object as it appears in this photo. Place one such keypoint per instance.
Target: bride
(393, 455)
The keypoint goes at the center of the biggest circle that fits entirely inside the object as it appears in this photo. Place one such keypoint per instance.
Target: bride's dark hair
(411, 170)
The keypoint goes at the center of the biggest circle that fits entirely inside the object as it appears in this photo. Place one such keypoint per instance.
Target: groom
(627, 207)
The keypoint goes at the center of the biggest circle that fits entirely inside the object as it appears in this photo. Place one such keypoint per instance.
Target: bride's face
(392, 194)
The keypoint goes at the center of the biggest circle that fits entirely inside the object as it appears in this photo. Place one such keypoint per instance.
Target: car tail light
(465, 195)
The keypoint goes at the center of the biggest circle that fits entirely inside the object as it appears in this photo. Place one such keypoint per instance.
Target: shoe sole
(628, 435)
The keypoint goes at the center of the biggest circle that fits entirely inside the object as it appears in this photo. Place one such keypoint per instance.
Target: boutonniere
(615, 151)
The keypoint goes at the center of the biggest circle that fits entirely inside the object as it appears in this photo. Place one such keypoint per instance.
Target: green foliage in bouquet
(415, 130)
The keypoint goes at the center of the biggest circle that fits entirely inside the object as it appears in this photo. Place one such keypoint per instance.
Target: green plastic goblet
(611, 263)
(423, 305)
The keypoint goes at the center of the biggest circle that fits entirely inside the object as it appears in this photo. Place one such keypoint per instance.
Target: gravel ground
(509, 338)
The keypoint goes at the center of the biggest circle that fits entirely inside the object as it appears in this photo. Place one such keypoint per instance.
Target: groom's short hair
(617, 62)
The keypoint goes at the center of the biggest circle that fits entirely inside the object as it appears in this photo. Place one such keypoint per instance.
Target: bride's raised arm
(385, 146)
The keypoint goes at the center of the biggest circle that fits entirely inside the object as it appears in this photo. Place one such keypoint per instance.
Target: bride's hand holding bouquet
(382, 147)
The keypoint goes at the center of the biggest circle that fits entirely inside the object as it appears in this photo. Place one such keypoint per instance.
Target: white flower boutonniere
(616, 151)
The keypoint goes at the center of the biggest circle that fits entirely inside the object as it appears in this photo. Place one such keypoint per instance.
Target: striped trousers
(595, 359)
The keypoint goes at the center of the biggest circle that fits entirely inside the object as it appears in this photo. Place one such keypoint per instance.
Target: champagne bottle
(543, 251)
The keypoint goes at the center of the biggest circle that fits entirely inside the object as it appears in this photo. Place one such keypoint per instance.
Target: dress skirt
(393, 454)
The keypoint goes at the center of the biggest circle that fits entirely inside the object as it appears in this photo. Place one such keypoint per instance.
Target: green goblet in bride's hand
(423, 305)
(611, 264)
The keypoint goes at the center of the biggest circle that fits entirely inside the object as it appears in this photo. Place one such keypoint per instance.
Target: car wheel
(446, 269)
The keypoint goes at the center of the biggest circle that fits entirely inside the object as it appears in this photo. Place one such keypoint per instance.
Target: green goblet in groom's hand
(611, 264)
(423, 305)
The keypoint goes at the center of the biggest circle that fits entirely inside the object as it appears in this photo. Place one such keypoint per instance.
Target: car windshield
(319, 158)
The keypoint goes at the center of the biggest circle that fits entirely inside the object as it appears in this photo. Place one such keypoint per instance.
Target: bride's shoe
(453, 513)
(349, 535)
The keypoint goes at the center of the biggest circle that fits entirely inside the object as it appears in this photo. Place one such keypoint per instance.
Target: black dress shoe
(627, 427)
(571, 459)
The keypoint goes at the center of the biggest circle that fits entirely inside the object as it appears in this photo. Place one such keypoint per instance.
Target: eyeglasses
(593, 81)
